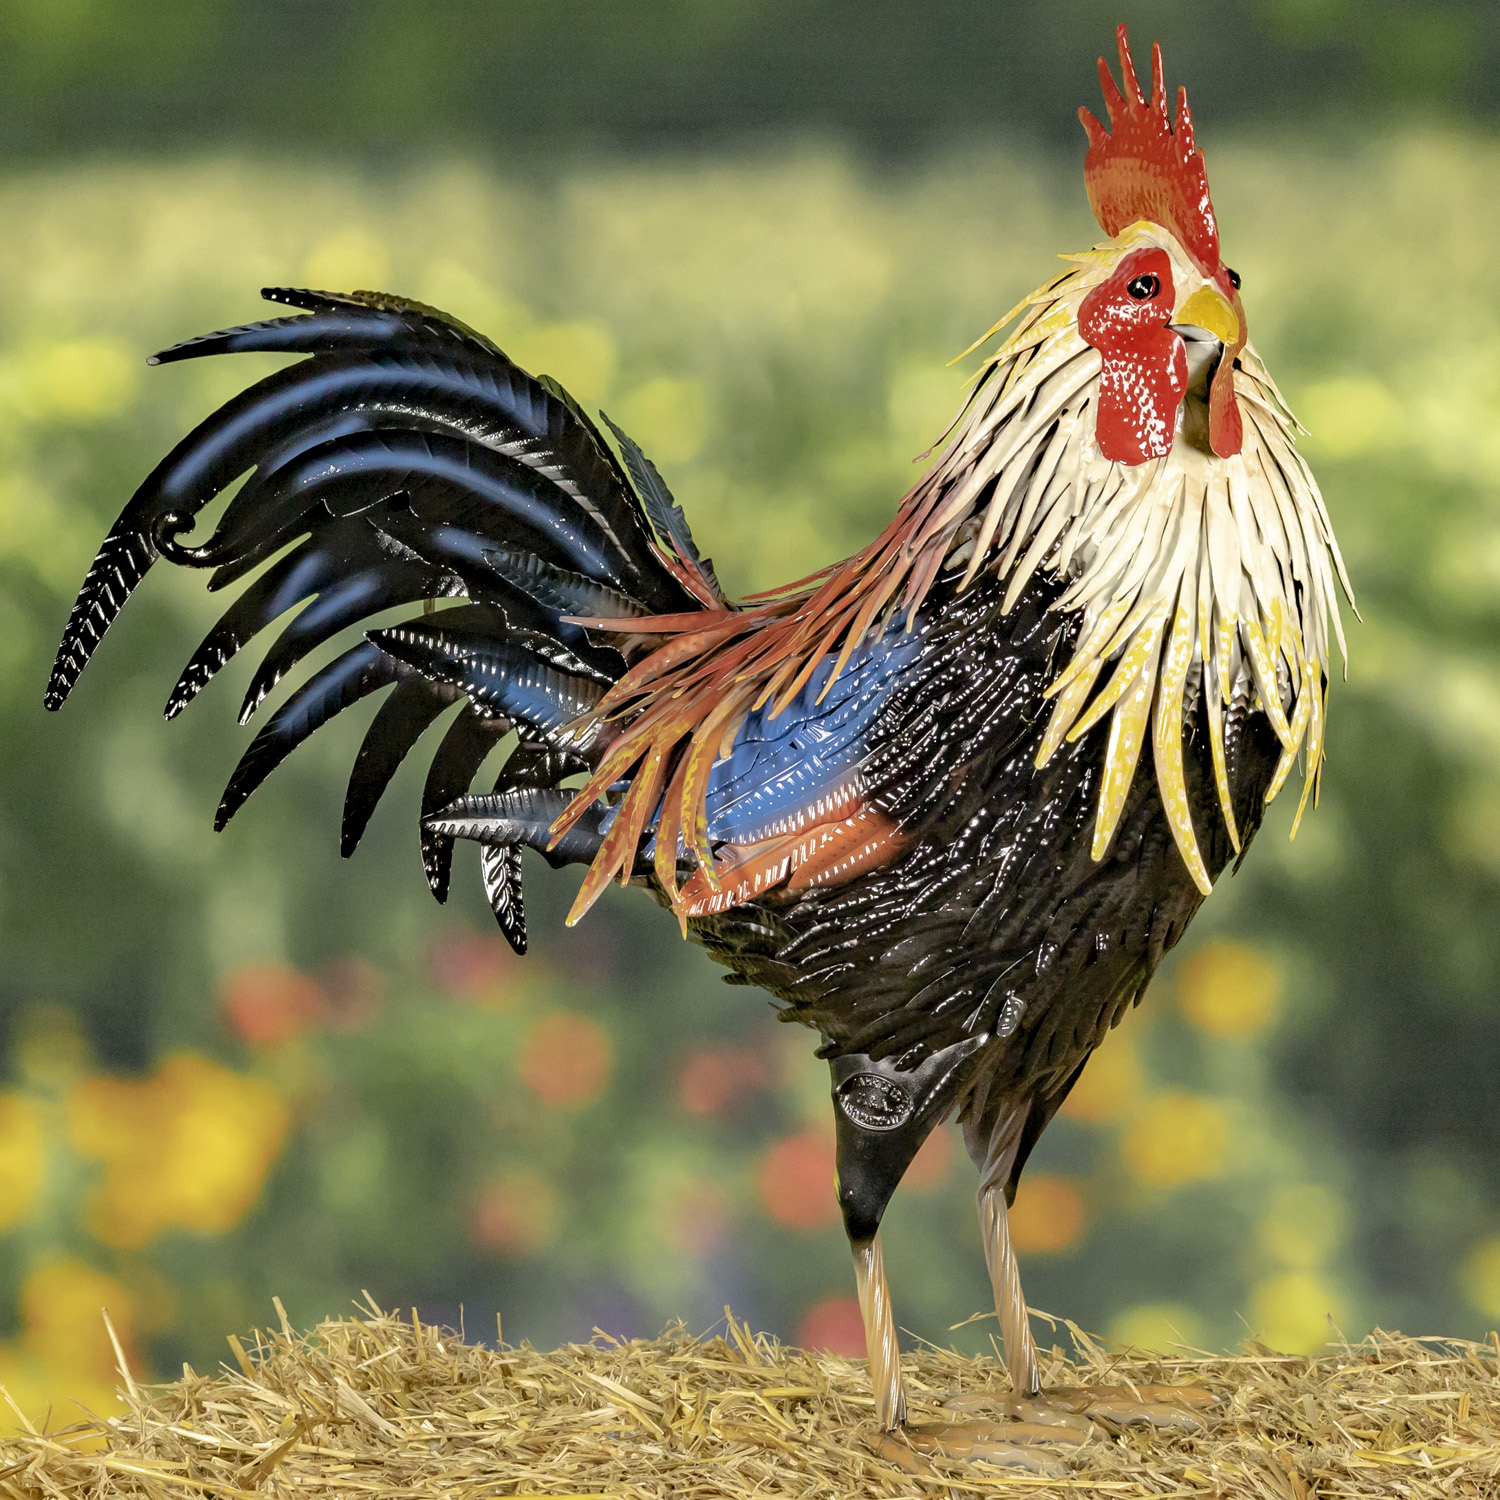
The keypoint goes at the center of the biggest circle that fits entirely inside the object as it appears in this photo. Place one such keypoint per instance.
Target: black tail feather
(468, 741)
(360, 671)
(537, 768)
(403, 459)
(665, 514)
(297, 576)
(411, 709)
(124, 559)
(498, 676)
(500, 869)
(522, 817)
(392, 388)
(560, 591)
(345, 603)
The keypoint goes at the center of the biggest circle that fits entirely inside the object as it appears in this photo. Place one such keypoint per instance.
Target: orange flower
(710, 1080)
(1048, 1215)
(565, 1060)
(797, 1182)
(268, 1003)
(931, 1166)
(833, 1326)
(516, 1215)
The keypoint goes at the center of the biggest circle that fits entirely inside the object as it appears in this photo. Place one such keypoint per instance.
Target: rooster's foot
(1010, 1433)
(1176, 1408)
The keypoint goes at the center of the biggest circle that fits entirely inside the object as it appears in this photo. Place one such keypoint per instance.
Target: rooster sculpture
(903, 795)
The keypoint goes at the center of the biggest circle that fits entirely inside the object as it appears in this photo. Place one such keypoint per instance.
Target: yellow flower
(1482, 1276)
(63, 1361)
(1302, 1226)
(1291, 1312)
(62, 1320)
(23, 1157)
(1228, 989)
(1176, 1138)
(1110, 1084)
(1157, 1325)
(189, 1147)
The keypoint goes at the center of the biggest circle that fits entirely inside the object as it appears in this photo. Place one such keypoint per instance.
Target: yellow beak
(1209, 309)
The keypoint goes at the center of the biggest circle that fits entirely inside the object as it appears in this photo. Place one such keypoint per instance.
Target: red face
(1145, 371)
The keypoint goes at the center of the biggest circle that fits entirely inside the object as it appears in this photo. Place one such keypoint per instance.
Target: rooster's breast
(994, 919)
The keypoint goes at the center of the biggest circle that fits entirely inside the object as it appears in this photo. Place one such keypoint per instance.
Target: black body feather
(995, 934)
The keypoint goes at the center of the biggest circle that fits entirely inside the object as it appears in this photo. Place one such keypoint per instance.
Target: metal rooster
(901, 795)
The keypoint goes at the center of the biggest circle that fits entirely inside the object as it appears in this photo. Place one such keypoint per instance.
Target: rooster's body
(903, 796)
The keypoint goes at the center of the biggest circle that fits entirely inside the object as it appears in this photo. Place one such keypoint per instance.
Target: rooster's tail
(408, 461)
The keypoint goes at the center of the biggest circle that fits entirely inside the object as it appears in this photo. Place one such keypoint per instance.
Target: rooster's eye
(1144, 287)
(1234, 278)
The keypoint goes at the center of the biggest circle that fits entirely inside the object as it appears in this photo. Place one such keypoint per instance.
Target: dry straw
(381, 1406)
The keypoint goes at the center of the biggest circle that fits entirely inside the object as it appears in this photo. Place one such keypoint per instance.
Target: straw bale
(378, 1405)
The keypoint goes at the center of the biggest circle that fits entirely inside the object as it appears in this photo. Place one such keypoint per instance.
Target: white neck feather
(1187, 566)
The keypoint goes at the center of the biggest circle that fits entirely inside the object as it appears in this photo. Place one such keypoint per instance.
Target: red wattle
(1144, 373)
(1226, 428)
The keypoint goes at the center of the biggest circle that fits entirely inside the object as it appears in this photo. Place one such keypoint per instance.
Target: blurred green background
(755, 232)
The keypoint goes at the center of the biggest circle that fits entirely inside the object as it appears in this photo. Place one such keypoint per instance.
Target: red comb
(1145, 170)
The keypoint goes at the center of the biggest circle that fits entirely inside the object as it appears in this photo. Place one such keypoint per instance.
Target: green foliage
(531, 81)
(1300, 1119)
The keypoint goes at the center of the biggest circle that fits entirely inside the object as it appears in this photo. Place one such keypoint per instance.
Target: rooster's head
(1167, 321)
(1126, 438)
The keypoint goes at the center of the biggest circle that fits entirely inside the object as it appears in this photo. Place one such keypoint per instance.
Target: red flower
(710, 1080)
(269, 1003)
(516, 1215)
(833, 1326)
(565, 1060)
(796, 1181)
(474, 966)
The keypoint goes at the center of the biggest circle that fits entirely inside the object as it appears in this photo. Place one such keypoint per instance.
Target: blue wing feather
(780, 768)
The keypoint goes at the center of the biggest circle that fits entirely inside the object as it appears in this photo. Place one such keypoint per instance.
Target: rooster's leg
(882, 1115)
(880, 1334)
(1005, 1426)
(1072, 1407)
(1013, 1428)
(1010, 1302)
